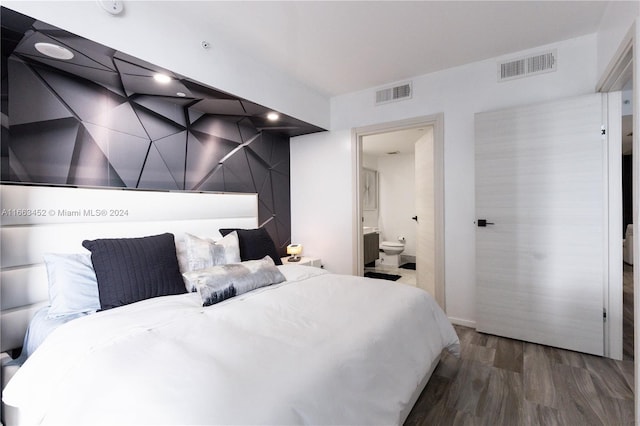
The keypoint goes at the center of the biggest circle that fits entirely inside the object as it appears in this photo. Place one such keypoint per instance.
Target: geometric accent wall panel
(172, 149)
(45, 159)
(39, 103)
(100, 118)
(156, 174)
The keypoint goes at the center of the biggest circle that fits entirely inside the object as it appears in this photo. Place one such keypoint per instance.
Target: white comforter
(317, 349)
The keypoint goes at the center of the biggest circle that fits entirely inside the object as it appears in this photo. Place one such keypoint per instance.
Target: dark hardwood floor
(499, 381)
(627, 314)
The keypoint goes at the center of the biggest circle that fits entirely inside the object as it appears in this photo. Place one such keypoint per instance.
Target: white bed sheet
(317, 349)
(41, 326)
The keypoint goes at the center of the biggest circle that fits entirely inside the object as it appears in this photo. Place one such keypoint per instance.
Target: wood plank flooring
(500, 381)
(627, 314)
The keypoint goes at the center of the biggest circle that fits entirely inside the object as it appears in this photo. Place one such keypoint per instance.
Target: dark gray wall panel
(163, 107)
(259, 171)
(120, 118)
(172, 149)
(89, 165)
(39, 103)
(155, 126)
(214, 181)
(126, 153)
(45, 159)
(220, 106)
(156, 174)
(222, 127)
(237, 173)
(87, 100)
(204, 153)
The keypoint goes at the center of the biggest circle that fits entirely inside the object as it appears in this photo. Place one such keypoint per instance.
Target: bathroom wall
(396, 182)
(370, 217)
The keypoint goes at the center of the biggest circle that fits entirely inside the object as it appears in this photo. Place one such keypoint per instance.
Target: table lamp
(294, 250)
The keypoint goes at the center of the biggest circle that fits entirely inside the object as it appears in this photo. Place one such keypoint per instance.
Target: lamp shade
(294, 249)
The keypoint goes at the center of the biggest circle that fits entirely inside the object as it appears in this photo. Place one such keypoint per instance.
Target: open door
(541, 217)
(425, 214)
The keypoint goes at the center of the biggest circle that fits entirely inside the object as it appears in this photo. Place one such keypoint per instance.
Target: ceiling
(392, 143)
(337, 47)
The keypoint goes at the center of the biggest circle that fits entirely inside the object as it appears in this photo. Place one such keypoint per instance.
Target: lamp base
(294, 259)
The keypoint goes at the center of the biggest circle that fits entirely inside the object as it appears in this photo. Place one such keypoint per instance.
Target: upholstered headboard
(37, 220)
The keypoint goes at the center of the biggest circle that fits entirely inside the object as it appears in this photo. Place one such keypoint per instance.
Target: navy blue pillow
(255, 244)
(132, 269)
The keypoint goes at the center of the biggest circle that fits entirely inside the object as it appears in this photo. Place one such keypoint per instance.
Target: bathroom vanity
(371, 247)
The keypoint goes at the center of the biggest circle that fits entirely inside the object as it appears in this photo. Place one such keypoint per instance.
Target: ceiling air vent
(395, 93)
(527, 66)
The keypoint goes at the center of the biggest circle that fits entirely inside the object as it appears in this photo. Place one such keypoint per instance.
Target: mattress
(319, 348)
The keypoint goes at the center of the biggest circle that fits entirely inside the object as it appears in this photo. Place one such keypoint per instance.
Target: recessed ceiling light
(54, 51)
(273, 116)
(181, 94)
(162, 78)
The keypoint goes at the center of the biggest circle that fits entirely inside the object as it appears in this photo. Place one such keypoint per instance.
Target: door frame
(437, 122)
(624, 65)
(613, 342)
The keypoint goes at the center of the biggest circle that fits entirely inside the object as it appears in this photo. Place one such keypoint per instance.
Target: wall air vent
(527, 66)
(395, 93)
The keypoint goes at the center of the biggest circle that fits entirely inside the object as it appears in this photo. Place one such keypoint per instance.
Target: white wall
(458, 93)
(370, 217)
(618, 18)
(322, 196)
(396, 177)
(156, 32)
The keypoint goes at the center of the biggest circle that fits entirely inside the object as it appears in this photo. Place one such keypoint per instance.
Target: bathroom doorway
(390, 202)
(399, 176)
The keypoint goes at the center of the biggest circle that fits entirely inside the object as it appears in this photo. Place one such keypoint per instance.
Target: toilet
(390, 255)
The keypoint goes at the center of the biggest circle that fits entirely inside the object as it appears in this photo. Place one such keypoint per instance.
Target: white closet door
(541, 264)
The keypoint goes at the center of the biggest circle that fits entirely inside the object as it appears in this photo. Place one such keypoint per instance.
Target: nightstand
(304, 260)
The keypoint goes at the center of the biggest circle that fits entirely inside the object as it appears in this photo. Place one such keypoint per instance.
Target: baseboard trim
(462, 322)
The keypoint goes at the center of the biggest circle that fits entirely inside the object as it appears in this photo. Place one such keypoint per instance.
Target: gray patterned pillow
(205, 252)
(221, 282)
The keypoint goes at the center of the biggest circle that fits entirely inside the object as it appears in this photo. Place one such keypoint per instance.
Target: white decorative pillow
(73, 287)
(221, 282)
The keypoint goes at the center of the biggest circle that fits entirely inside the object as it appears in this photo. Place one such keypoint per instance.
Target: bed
(273, 344)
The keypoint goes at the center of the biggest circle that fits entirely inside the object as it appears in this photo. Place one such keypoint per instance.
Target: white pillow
(73, 287)
(293, 272)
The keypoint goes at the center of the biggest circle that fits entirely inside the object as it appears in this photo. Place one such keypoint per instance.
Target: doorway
(390, 196)
(429, 248)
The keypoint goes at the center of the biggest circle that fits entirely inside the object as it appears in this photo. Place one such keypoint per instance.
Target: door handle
(483, 222)
(415, 218)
